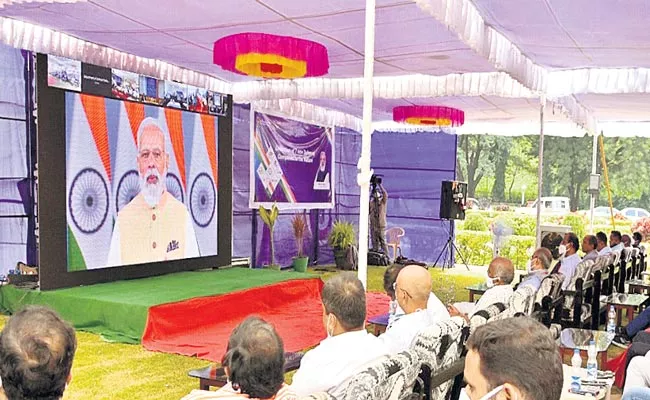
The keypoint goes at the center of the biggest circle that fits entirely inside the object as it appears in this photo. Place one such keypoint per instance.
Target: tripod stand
(451, 248)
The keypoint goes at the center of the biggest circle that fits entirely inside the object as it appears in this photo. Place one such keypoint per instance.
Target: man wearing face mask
(538, 267)
(412, 291)
(513, 359)
(500, 274)
(589, 244)
(567, 265)
(603, 248)
(348, 346)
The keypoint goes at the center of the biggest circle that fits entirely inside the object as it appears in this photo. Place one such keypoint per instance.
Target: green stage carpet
(118, 310)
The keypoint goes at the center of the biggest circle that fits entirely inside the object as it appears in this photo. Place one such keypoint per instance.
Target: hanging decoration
(270, 56)
(429, 115)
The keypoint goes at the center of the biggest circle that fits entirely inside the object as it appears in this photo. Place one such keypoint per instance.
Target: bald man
(154, 226)
(412, 290)
(499, 278)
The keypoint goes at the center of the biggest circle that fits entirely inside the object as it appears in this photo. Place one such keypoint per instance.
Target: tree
(521, 165)
(473, 161)
(568, 168)
(499, 152)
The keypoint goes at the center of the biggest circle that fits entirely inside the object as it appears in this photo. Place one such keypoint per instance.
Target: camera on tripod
(375, 181)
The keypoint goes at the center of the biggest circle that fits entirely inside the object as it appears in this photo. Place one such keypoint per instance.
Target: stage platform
(192, 313)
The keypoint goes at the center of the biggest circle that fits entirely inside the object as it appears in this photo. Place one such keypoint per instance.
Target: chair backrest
(394, 234)
(583, 270)
(390, 377)
(521, 302)
(482, 317)
(616, 257)
(550, 286)
(438, 347)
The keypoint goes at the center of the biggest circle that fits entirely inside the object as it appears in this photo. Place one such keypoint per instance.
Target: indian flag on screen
(88, 182)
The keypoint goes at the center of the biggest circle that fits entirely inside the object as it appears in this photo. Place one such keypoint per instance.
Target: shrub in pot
(299, 225)
(269, 217)
(342, 240)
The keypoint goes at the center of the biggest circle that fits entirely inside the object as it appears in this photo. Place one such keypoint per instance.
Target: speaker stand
(452, 248)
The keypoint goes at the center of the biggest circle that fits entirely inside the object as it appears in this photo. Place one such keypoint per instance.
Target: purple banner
(291, 164)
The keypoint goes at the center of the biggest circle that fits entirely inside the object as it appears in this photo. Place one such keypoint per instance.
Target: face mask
(392, 307)
(529, 266)
(328, 329)
(562, 249)
(489, 282)
(492, 393)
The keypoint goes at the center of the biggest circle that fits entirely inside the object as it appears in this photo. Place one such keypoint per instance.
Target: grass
(104, 370)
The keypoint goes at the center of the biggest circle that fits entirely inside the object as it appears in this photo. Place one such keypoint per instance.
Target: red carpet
(201, 326)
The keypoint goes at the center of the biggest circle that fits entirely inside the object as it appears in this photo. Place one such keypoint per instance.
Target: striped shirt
(228, 393)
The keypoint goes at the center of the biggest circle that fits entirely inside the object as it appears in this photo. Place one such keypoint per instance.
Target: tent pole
(592, 202)
(363, 179)
(540, 169)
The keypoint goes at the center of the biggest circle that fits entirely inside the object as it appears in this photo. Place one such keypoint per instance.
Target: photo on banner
(292, 163)
(141, 183)
(64, 73)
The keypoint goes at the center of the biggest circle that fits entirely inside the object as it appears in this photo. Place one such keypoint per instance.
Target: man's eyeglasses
(156, 154)
(395, 290)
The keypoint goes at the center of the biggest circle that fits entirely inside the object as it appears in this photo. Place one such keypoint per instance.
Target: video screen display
(141, 180)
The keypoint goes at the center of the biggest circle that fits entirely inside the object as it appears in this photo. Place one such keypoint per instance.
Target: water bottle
(576, 364)
(592, 363)
(611, 323)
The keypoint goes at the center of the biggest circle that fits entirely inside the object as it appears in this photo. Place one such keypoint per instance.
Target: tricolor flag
(88, 182)
(201, 135)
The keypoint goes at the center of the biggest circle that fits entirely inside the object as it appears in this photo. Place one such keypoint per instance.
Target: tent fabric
(292, 307)
(118, 310)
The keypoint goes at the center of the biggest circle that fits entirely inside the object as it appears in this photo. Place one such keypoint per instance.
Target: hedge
(476, 247)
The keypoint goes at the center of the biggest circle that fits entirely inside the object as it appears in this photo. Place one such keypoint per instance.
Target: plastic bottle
(576, 364)
(611, 323)
(592, 363)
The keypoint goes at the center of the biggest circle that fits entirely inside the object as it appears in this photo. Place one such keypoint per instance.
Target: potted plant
(342, 240)
(299, 225)
(269, 217)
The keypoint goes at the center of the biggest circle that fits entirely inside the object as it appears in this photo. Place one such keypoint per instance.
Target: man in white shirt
(615, 241)
(412, 291)
(540, 262)
(348, 346)
(602, 247)
(500, 274)
(568, 264)
(589, 245)
(434, 305)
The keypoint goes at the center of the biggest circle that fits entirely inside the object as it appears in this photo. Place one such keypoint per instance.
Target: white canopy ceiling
(589, 58)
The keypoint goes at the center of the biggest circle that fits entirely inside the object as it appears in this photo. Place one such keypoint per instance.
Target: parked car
(550, 205)
(633, 213)
(601, 211)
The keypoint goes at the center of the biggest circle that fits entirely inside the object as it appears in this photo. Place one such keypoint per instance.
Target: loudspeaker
(453, 195)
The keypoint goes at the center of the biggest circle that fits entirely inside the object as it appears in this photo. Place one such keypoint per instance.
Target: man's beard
(152, 192)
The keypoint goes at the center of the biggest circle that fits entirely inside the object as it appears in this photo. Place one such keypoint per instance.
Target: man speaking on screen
(154, 226)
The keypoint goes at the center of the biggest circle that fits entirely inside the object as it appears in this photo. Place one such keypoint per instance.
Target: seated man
(637, 375)
(540, 262)
(412, 291)
(615, 240)
(625, 335)
(638, 238)
(602, 247)
(627, 241)
(567, 265)
(254, 364)
(500, 274)
(514, 358)
(36, 352)
(589, 244)
(348, 346)
(434, 305)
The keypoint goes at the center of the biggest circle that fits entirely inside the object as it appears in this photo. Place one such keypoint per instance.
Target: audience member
(615, 241)
(589, 244)
(540, 262)
(434, 305)
(36, 352)
(254, 364)
(637, 375)
(500, 274)
(638, 349)
(638, 238)
(625, 335)
(626, 240)
(412, 291)
(348, 346)
(514, 358)
(602, 247)
(567, 265)
(638, 393)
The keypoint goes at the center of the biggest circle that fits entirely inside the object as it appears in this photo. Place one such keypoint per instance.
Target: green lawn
(104, 370)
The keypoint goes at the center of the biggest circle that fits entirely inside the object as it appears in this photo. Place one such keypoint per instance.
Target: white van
(550, 205)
